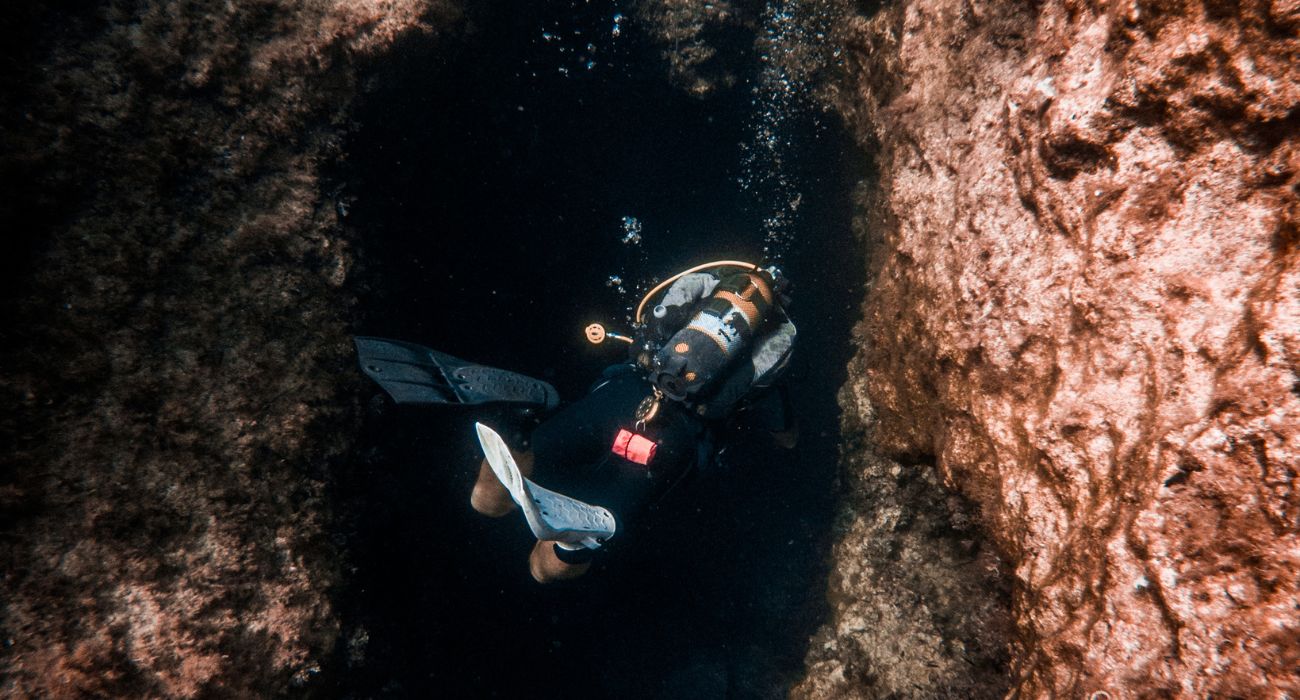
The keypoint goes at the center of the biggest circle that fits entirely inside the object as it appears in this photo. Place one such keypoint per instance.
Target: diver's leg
(490, 497)
(546, 565)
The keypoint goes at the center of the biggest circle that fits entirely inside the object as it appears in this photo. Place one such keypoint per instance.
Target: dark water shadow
(487, 202)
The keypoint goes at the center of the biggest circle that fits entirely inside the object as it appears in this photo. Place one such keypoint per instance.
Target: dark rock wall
(1085, 308)
(174, 337)
(919, 600)
(700, 42)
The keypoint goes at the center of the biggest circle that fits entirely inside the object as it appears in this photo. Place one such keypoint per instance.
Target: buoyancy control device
(711, 316)
(722, 329)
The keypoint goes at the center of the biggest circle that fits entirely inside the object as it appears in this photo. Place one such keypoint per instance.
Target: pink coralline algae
(1085, 307)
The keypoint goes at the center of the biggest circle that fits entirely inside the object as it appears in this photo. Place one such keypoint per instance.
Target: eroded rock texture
(173, 344)
(1085, 306)
(919, 600)
(701, 42)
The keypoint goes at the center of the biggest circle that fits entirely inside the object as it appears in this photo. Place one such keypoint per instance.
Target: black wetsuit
(573, 450)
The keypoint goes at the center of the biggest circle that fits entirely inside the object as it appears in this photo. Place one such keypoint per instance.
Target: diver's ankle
(490, 497)
(547, 567)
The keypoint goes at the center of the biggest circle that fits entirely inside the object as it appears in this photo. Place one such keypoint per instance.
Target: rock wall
(173, 340)
(693, 39)
(919, 600)
(1085, 308)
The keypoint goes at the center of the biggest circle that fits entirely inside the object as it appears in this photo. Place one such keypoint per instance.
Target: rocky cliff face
(1085, 308)
(172, 340)
(1084, 322)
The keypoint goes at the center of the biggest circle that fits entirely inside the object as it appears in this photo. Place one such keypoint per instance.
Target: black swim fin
(414, 374)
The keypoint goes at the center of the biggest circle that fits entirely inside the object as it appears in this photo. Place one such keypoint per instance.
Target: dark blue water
(487, 189)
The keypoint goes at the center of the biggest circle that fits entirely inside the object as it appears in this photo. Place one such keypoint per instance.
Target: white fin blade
(571, 521)
(507, 472)
(499, 458)
(550, 515)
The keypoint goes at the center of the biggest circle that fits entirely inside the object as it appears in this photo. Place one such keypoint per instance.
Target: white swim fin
(550, 515)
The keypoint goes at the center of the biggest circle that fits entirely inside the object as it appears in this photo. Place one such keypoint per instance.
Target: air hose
(640, 308)
(597, 334)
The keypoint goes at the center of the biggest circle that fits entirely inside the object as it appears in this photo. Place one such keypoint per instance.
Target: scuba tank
(721, 330)
(688, 351)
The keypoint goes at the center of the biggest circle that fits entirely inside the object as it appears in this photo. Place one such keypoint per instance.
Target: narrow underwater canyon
(1067, 414)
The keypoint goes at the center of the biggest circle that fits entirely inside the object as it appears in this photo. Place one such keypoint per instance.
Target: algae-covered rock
(175, 333)
(1085, 308)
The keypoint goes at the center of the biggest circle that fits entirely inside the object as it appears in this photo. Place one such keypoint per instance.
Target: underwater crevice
(487, 187)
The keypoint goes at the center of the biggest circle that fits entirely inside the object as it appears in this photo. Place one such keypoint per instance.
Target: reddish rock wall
(1085, 305)
(171, 356)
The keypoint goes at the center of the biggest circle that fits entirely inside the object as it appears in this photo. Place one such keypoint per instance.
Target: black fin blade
(406, 371)
(413, 374)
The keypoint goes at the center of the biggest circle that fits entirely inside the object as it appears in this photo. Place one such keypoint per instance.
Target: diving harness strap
(550, 515)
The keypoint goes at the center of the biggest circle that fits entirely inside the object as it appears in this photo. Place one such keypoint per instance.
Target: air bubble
(631, 230)
(781, 105)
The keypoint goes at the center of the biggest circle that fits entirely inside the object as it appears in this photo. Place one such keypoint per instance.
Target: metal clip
(648, 409)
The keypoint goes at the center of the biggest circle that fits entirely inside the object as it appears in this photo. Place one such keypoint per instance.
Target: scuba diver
(707, 361)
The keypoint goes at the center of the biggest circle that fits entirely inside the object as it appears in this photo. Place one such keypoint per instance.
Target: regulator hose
(640, 308)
